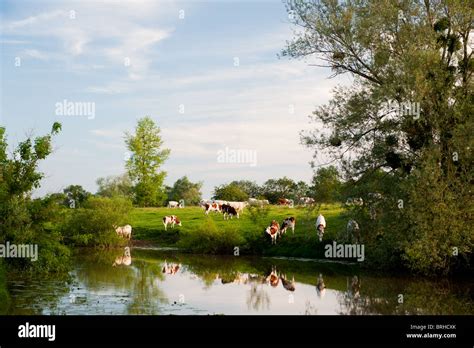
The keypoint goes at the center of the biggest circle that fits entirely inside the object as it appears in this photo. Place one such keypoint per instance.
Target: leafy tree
(230, 192)
(273, 189)
(112, 186)
(185, 189)
(75, 196)
(407, 114)
(144, 164)
(22, 220)
(326, 185)
(249, 187)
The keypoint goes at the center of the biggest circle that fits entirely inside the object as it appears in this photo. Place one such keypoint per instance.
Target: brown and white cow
(212, 207)
(171, 220)
(289, 222)
(273, 230)
(288, 202)
(287, 284)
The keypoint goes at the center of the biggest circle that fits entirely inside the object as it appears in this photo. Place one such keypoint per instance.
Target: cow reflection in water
(320, 286)
(287, 284)
(125, 259)
(170, 268)
(354, 290)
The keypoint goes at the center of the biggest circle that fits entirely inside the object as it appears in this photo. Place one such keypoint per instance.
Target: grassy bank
(4, 297)
(211, 234)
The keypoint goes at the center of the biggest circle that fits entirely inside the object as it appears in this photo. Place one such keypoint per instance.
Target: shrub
(93, 224)
(207, 238)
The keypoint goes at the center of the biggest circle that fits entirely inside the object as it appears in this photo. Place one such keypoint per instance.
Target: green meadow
(212, 234)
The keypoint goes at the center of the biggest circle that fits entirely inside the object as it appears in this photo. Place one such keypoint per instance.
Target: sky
(207, 72)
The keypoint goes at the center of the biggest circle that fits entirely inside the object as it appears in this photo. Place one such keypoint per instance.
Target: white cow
(238, 206)
(320, 226)
(173, 204)
(124, 231)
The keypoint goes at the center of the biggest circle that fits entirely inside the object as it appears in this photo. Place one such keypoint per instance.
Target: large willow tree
(404, 127)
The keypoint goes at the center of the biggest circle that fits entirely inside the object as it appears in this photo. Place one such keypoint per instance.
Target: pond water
(144, 281)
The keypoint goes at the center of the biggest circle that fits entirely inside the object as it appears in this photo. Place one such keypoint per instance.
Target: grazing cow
(320, 226)
(273, 230)
(288, 285)
(238, 206)
(172, 220)
(320, 286)
(125, 259)
(288, 222)
(258, 202)
(353, 230)
(212, 207)
(173, 204)
(304, 201)
(124, 231)
(228, 210)
(288, 202)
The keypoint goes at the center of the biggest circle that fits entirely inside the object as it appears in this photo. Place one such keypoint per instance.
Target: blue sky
(137, 58)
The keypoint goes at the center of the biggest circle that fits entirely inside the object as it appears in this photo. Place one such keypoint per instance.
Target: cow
(258, 202)
(124, 231)
(125, 259)
(172, 220)
(228, 210)
(284, 201)
(289, 222)
(320, 226)
(273, 230)
(212, 207)
(288, 285)
(304, 201)
(173, 204)
(238, 206)
(352, 229)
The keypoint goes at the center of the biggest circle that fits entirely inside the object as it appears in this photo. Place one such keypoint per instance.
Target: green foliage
(112, 186)
(145, 162)
(186, 190)
(207, 238)
(4, 296)
(230, 192)
(92, 225)
(273, 189)
(326, 185)
(75, 196)
(398, 127)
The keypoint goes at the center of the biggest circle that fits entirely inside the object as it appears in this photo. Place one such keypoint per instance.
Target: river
(163, 282)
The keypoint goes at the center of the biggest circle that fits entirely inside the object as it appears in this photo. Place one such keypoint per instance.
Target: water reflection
(159, 282)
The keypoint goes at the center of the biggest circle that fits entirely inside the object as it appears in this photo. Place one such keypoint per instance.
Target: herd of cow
(231, 209)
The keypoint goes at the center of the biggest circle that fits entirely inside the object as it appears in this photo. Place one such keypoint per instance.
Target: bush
(93, 224)
(207, 238)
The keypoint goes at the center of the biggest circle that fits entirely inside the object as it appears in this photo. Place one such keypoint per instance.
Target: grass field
(212, 234)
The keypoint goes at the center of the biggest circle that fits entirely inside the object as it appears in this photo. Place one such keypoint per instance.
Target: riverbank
(213, 235)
